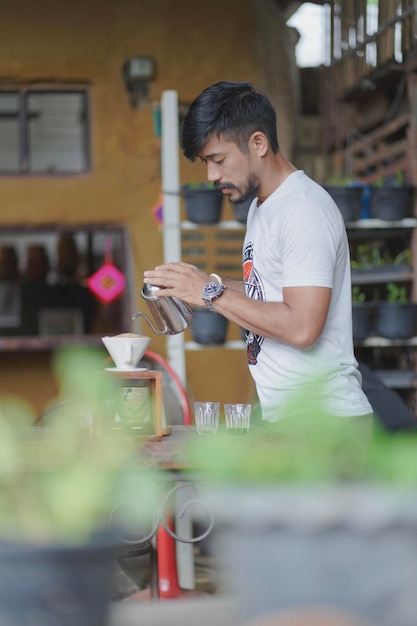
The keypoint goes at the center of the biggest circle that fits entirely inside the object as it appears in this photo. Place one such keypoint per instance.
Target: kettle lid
(150, 291)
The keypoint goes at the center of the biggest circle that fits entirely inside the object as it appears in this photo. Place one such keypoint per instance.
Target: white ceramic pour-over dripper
(126, 350)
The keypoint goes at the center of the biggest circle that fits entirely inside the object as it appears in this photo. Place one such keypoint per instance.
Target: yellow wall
(86, 42)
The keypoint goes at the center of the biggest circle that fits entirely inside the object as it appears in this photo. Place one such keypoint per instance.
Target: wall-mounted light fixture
(138, 73)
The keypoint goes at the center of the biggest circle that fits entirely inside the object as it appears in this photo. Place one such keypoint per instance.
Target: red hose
(182, 393)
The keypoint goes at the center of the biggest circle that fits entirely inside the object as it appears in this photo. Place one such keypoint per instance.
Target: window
(43, 132)
(44, 289)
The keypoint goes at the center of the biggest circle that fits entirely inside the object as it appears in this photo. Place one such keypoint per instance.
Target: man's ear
(259, 142)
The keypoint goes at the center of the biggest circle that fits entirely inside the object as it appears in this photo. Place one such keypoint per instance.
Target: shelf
(372, 224)
(361, 224)
(382, 342)
(398, 379)
(373, 277)
(225, 225)
(214, 248)
(384, 77)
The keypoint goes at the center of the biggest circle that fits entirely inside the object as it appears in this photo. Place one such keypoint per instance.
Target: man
(295, 297)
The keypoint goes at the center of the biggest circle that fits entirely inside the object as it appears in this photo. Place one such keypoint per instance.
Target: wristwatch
(212, 291)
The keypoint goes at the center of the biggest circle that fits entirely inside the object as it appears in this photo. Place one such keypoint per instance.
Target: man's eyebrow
(211, 155)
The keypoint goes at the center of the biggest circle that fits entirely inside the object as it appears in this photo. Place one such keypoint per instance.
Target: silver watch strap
(210, 306)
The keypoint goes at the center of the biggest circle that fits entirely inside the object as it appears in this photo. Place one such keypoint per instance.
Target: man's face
(231, 170)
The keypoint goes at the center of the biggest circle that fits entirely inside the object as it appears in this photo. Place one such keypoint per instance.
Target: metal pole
(172, 252)
(171, 211)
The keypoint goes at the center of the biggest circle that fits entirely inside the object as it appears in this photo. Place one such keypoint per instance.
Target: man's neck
(277, 169)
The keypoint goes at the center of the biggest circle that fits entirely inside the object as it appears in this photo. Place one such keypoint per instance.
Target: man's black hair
(232, 109)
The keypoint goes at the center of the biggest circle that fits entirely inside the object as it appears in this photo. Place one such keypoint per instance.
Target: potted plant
(367, 256)
(392, 198)
(207, 327)
(292, 517)
(369, 259)
(361, 314)
(203, 202)
(61, 484)
(396, 317)
(241, 210)
(347, 194)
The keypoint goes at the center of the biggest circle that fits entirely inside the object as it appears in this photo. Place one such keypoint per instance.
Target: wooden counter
(169, 452)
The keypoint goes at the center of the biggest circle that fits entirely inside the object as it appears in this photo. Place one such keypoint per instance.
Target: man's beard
(249, 191)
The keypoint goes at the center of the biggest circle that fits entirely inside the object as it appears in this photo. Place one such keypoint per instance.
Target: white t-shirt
(296, 238)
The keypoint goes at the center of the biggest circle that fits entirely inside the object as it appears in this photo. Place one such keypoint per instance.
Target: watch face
(211, 290)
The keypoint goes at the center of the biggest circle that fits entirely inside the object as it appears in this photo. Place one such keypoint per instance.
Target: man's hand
(179, 280)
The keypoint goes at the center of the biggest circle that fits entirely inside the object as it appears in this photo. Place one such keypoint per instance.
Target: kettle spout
(155, 330)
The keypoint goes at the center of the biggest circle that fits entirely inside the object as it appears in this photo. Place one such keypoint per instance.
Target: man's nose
(213, 173)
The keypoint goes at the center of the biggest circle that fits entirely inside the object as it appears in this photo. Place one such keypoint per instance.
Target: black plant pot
(395, 321)
(362, 321)
(66, 586)
(348, 200)
(391, 203)
(208, 328)
(241, 209)
(203, 203)
(304, 542)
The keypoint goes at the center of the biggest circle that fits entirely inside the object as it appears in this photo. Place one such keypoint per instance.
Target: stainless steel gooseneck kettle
(171, 315)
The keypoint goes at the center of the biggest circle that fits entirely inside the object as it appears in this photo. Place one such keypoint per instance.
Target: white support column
(171, 210)
(172, 252)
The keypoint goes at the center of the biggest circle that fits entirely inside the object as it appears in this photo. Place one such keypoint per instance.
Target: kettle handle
(157, 332)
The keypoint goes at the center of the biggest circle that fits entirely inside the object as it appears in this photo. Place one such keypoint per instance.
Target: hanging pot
(203, 203)
(208, 328)
(362, 321)
(348, 200)
(241, 210)
(391, 203)
(395, 320)
(66, 586)
(9, 264)
(283, 548)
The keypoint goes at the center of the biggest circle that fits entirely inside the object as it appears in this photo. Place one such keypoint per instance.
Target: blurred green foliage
(358, 296)
(308, 447)
(60, 482)
(269, 458)
(397, 294)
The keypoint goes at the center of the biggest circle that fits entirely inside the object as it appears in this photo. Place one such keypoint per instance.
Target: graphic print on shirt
(254, 290)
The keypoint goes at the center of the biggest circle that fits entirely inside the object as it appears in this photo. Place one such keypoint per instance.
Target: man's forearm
(233, 285)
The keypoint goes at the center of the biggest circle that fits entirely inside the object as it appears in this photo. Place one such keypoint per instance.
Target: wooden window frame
(23, 115)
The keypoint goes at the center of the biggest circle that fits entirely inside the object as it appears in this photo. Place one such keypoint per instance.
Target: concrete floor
(205, 606)
(209, 610)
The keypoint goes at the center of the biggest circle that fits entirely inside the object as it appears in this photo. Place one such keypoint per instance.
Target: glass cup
(206, 415)
(237, 417)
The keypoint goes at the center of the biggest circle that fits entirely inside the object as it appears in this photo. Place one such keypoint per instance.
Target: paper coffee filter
(129, 335)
